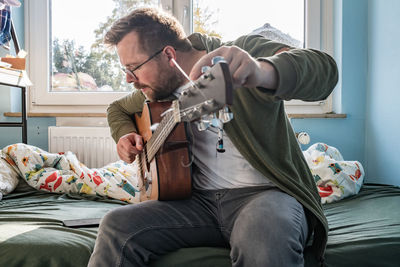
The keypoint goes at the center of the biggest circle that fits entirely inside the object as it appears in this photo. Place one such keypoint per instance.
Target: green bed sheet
(32, 232)
(364, 231)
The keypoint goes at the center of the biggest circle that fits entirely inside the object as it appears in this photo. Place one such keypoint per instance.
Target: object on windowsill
(4, 3)
(7, 32)
(12, 70)
(14, 77)
(5, 26)
(16, 62)
(5, 65)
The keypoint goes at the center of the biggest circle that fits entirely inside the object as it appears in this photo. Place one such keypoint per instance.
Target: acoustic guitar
(165, 164)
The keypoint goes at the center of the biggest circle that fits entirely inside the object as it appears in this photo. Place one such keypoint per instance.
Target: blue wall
(351, 53)
(369, 90)
(10, 101)
(383, 95)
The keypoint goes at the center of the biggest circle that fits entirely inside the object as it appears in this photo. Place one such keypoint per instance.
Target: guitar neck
(170, 118)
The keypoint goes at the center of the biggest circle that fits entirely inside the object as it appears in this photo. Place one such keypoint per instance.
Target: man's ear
(171, 54)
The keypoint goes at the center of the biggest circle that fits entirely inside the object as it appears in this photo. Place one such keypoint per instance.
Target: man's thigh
(167, 224)
(272, 222)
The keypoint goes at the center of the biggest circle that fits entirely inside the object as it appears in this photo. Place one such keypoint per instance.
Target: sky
(241, 17)
(76, 19)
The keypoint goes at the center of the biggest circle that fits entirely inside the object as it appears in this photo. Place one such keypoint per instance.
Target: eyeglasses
(131, 71)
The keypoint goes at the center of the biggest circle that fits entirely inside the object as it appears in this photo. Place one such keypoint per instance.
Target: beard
(168, 80)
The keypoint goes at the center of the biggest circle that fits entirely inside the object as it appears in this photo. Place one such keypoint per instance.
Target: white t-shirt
(220, 170)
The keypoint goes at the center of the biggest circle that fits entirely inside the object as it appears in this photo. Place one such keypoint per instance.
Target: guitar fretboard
(159, 136)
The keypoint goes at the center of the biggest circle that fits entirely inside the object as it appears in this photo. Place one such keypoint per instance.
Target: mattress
(364, 231)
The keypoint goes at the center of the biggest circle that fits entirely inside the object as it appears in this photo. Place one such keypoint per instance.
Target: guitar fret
(159, 130)
(160, 126)
(160, 139)
(159, 136)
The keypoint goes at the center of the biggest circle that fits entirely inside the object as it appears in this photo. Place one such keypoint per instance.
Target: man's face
(156, 78)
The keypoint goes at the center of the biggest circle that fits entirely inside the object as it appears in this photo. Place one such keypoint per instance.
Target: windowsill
(317, 116)
(292, 116)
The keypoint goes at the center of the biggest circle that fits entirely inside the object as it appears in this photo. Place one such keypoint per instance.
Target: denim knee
(269, 231)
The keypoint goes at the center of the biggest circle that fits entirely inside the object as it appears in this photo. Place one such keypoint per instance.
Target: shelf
(14, 77)
(17, 78)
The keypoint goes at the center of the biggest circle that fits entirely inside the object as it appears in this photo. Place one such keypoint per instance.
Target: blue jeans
(262, 225)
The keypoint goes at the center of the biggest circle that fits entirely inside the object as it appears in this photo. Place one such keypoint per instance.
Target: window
(79, 61)
(69, 66)
(294, 22)
(68, 62)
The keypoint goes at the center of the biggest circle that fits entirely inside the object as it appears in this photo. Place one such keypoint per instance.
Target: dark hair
(155, 29)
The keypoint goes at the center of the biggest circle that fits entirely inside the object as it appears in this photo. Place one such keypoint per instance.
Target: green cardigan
(260, 129)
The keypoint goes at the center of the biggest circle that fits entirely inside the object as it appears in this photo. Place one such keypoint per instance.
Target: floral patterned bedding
(64, 173)
(335, 178)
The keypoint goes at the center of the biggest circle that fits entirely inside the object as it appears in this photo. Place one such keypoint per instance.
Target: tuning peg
(202, 125)
(189, 91)
(225, 115)
(204, 69)
(185, 93)
(209, 104)
(205, 122)
(207, 74)
(217, 59)
(197, 111)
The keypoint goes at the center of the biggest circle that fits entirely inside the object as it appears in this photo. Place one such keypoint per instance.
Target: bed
(364, 230)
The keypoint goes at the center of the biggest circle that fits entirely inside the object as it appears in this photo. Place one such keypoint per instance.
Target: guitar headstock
(208, 94)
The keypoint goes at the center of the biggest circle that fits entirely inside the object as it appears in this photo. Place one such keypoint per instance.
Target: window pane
(281, 20)
(80, 61)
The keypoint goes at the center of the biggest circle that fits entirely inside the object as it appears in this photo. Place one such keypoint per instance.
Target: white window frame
(37, 36)
(318, 35)
(318, 25)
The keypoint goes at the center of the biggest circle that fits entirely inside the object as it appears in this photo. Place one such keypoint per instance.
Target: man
(259, 197)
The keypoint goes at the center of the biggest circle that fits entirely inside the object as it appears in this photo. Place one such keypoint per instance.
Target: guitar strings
(157, 131)
(153, 146)
(160, 137)
(156, 144)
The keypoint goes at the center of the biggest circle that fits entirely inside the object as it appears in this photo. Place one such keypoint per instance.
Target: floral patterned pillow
(335, 178)
(8, 175)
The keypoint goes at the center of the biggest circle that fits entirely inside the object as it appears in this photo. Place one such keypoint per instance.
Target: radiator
(93, 146)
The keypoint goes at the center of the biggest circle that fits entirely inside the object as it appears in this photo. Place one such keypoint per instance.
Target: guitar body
(168, 175)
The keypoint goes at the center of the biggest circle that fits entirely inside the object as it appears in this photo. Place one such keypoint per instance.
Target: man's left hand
(245, 70)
